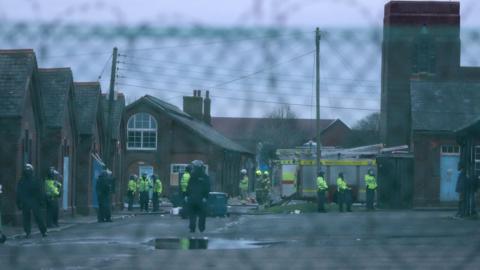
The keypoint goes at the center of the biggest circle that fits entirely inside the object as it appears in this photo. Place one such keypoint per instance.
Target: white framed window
(176, 170)
(142, 132)
(450, 149)
(476, 157)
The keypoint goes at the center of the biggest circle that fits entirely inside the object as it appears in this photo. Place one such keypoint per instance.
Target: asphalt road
(359, 240)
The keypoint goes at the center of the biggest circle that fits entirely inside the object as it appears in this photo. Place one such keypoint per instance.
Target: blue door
(448, 177)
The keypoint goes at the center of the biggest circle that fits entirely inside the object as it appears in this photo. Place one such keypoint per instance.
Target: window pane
(153, 124)
(134, 139)
(131, 122)
(149, 139)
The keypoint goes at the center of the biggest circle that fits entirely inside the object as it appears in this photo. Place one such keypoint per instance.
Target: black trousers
(144, 200)
(469, 203)
(155, 201)
(27, 212)
(197, 211)
(52, 212)
(259, 193)
(345, 197)
(321, 198)
(370, 198)
(131, 196)
(104, 209)
(184, 211)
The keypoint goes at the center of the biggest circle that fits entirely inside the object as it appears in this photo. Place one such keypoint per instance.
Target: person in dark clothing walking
(29, 199)
(197, 195)
(104, 188)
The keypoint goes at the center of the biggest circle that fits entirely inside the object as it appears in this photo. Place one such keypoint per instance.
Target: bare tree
(280, 129)
(365, 131)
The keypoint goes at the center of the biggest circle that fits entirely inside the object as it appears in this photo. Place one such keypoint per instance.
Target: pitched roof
(197, 126)
(87, 95)
(54, 85)
(118, 108)
(16, 68)
(443, 106)
(245, 128)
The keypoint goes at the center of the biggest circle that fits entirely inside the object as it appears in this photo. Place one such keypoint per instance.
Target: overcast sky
(303, 14)
(300, 13)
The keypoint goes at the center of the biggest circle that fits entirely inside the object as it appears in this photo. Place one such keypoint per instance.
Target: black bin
(217, 204)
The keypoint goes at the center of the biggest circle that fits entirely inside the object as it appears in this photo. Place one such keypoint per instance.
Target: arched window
(424, 60)
(142, 132)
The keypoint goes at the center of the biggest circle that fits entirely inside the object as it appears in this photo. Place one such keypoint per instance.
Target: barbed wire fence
(254, 70)
(249, 71)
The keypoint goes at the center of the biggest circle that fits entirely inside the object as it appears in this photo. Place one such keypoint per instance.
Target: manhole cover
(206, 243)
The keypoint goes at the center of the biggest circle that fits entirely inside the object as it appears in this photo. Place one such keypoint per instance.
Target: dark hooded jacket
(29, 192)
(198, 187)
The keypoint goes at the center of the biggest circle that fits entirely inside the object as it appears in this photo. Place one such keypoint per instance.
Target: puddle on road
(205, 243)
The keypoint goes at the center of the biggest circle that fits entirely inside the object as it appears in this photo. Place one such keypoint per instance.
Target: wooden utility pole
(111, 94)
(317, 97)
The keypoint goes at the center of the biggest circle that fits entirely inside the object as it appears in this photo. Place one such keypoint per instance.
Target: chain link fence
(249, 72)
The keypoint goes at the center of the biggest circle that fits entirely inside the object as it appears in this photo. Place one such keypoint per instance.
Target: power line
(271, 93)
(274, 65)
(202, 72)
(291, 104)
(294, 89)
(295, 35)
(254, 100)
(104, 67)
(228, 69)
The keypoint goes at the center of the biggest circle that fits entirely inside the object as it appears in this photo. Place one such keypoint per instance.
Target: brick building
(59, 136)
(21, 121)
(162, 139)
(48, 120)
(245, 131)
(438, 110)
(89, 113)
(426, 93)
(421, 39)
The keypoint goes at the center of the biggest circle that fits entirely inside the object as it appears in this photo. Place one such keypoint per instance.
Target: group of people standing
(344, 192)
(263, 187)
(144, 186)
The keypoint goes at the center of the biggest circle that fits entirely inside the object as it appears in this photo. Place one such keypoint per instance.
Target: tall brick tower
(420, 39)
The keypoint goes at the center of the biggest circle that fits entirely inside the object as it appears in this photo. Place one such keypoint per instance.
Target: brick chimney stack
(207, 118)
(193, 105)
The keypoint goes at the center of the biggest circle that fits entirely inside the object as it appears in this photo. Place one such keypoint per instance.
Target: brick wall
(427, 149)
(83, 188)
